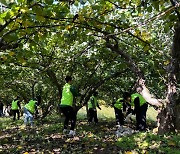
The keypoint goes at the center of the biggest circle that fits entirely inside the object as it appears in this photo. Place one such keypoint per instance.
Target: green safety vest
(14, 105)
(67, 96)
(92, 100)
(31, 106)
(141, 99)
(119, 104)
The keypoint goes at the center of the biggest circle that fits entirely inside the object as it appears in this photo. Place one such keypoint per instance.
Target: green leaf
(40, 18)
(91, 1)
(123, 17)
(76, 3)
(24, 9)
(4, 2)
(49, 1)
(156, 5)
(20, 1)
(2, 22)
(3, 15)
(122, 66)
(138, 2)
(36, 38)
(166, 28)
(172, 17)
(11, 37)
(149, 9)
(146, 48)
(38, 10)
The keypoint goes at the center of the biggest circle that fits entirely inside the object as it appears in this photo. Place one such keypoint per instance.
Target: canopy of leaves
(43, 41)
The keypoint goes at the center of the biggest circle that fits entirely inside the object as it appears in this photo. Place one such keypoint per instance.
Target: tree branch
(134, 68)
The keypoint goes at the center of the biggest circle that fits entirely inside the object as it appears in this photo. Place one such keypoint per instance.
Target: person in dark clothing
(15, 108)
(118, 106)
(1, 109)
(92, 104)
(127, 106)
(122, 109)
(66, 105)
(140, 109)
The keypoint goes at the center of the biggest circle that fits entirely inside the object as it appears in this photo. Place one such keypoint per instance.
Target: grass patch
(107, 113)
(47, 137)
(151, 143)
(7, 122)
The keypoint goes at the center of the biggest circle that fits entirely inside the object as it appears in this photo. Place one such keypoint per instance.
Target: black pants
(141, 117)
(93, 115)
(69, 115)
(119, 116)
(1, 112)
(14, 114)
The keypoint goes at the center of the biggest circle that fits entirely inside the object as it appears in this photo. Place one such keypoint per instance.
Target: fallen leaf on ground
(171, 143)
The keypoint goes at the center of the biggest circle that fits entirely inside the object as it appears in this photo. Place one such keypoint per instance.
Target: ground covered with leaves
(47, 137)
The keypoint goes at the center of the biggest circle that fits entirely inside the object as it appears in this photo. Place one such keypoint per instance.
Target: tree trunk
(177, 117)
(166, 120)
(169, 117)
(87, 111)
(54, 80)
(33, 90)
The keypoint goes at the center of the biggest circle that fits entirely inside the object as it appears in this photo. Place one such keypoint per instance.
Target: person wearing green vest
(92, 104)
(118, 106)
(29, 110)
(66, 106)
(122, 109)
(15, 106)
(140, 109)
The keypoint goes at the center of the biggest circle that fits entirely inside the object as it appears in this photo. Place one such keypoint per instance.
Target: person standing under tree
(92, 104)
(118, 106)
(66, 106)
(15, 106)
